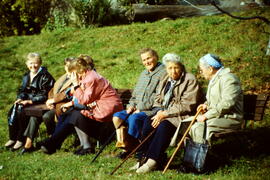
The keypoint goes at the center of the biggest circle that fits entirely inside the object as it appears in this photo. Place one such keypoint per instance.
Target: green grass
(115, 50)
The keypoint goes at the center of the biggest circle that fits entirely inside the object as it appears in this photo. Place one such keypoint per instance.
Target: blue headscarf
(212, 60)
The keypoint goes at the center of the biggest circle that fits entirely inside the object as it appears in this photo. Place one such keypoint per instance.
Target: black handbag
(195, 155)
(13, 113)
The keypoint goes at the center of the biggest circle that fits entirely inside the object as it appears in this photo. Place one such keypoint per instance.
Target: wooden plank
(258, 117)
(125, 95)
(221, 134)
(262, 97)
(259, 110)
(36, 110)
(261, 103)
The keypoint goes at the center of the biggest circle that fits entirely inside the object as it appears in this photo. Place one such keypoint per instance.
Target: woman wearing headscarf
(223, 109)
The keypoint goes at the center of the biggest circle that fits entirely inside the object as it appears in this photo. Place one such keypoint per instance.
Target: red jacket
(95, 88)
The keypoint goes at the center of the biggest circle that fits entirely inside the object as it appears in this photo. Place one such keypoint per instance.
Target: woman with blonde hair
(34, 90)
(56, 98)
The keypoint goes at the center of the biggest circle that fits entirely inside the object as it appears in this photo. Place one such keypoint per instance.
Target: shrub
(20, 17)
(96, 12)
(59, 15)
(151, 2)
(83, 13)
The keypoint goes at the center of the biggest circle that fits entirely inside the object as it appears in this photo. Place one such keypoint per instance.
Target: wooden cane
(109, 139)
(132, 152)
(182, 140)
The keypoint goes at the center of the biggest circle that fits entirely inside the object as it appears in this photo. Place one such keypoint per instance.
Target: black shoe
(38, 145)
(27, 150)
(183, 169)
(139, 155)
(86, 151)
(78, 150)
(123, 155)
(47, 150)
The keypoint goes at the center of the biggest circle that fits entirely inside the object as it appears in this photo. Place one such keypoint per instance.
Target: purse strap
(204, 132)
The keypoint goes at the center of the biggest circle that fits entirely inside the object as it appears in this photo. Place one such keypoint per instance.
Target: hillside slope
(115, 49)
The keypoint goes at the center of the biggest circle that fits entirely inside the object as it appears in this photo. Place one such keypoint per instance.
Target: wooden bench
(39, 109)
(254, 107)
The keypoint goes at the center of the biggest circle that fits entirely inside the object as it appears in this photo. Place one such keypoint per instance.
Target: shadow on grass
(249, 144)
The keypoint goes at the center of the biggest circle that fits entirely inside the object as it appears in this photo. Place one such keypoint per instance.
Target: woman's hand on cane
(158, 118)
(201, 118)
(203, 107)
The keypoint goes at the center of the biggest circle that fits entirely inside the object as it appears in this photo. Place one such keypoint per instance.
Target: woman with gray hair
(34, 90)
(223, 109)
(176, 99)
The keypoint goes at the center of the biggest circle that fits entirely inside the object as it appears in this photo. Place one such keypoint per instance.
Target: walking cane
(103, 146)
(182, 140)
(108, 140)
(132, 152)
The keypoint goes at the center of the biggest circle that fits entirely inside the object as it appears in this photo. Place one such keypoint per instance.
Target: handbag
(195, 154)
(13, 113)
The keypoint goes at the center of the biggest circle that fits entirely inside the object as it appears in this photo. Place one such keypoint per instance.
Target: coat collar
(179, 81)
(219, 73)
(157, 68)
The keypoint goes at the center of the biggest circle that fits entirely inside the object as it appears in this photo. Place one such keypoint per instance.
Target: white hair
(35, 56)
(171, 57)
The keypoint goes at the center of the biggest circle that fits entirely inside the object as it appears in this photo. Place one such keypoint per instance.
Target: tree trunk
(156, 12)
(268, 48)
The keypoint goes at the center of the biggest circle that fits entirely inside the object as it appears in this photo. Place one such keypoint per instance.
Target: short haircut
(88, 59)
(68, 60)
(149, 50)
(79, 65)
(34, 56)
(174, 58)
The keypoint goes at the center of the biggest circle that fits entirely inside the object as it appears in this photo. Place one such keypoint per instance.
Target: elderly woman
(94, 101)
(142, 99)
(34, 90)
(57, 97)
(223, 109)
(176, 100)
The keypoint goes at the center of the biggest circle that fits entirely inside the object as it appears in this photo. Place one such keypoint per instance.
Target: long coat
(58, 92)
(225, 106)
(186, 94)
(95, 88)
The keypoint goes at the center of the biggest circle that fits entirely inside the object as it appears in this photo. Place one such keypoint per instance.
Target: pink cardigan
(95, 88)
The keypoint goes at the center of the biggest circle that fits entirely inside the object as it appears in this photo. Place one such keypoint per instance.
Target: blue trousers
(156, 145)
(135, 122)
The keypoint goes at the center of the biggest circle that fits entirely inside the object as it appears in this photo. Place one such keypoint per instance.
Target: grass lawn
(241, 44)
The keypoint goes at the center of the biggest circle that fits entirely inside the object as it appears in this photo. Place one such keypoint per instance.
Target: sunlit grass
(115, 50)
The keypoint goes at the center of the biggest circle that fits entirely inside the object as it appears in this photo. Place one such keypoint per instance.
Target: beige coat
(225, 106)
(58, 92)
(185, 98)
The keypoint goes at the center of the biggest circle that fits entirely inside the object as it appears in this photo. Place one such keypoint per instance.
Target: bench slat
(36, 110)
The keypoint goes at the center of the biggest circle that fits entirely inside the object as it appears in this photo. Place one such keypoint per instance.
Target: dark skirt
(96, 129)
